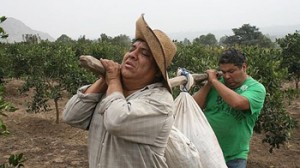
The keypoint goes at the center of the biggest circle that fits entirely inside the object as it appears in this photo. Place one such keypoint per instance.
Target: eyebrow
(145, 47)
(231, 69)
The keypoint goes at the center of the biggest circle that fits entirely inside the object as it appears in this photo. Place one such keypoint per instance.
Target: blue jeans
(237, 163)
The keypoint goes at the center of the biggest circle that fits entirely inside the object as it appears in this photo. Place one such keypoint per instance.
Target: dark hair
(136, 39)
(232, 56)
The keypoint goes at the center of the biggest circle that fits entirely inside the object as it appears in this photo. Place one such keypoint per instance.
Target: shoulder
(252, 88)
(251, 82)
(159, 97)
(158, 91)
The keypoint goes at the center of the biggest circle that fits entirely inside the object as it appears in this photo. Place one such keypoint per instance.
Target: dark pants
(237, 163)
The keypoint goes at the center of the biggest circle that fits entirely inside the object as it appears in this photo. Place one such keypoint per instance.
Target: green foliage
(208, 39)
(290, 45)
(64, 39)
(50, 69)
(31, 38)
(14, 161)
(14, 61)
(39, 99)
(274, 121)
(185, 42)
(2, 32)
(196, 58)
(247, 35)
(4, 106)
(121, 40)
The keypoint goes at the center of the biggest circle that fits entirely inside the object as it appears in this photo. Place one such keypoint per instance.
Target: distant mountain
(272, 32)
(16, 29)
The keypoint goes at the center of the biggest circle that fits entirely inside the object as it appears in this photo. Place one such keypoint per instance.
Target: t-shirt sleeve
(256, 95)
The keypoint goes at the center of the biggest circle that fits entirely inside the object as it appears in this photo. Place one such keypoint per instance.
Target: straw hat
(161, 46)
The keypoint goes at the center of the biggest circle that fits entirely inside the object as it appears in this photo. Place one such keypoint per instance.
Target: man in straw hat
(129, 111)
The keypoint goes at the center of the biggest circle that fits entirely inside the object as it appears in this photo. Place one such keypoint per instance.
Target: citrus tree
(274, 121)
(51, 69)
(17, 159)
(290, 45)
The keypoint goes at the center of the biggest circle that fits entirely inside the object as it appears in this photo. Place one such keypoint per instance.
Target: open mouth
(129, 65)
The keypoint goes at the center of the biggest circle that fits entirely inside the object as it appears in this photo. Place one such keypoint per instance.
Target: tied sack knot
(190, 80)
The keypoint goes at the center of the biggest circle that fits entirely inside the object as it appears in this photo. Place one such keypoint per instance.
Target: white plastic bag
(181, 152)
(191, 121)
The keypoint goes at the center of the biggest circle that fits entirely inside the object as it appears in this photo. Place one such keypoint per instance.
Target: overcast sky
(114, 17)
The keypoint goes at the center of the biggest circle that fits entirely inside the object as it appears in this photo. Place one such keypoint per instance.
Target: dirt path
(49, 145)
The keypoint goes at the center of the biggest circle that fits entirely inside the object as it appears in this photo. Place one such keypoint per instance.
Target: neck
(128, 92)
(130, 86)
(243, 80)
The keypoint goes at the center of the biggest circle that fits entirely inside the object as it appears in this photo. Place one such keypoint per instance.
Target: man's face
(234, 76)
(138, 63)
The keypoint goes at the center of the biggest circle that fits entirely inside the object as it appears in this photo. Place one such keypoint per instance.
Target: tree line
(52, 69)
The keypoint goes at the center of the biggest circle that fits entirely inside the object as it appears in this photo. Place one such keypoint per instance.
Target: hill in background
(272, 32)
(16, 29)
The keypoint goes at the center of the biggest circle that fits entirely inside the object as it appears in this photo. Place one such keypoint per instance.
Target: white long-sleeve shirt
(124, 132)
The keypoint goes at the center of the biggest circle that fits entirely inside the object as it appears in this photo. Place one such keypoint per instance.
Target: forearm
(232, 98)
(99, 86)
(200, 96)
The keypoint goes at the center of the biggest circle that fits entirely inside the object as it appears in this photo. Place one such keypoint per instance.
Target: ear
(244, 67)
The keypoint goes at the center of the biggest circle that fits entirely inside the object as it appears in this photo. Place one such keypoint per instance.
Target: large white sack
(181, 152)
(191, 121)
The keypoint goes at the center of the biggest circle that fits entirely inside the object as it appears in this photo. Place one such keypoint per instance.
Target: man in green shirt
(232, 103)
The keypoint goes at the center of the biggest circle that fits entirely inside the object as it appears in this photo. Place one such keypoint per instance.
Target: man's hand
(112, 69)
(113, 76)
(212, 75)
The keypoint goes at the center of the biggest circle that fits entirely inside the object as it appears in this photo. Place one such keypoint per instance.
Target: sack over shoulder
(191, 121)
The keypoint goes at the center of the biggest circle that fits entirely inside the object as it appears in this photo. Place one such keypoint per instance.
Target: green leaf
(2, 19)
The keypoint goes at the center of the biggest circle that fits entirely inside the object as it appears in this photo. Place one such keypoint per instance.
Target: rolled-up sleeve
(79, 109)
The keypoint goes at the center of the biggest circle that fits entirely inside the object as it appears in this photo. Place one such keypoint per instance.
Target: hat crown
(161, 46)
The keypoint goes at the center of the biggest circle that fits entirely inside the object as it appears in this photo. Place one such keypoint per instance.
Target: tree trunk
(57, 111)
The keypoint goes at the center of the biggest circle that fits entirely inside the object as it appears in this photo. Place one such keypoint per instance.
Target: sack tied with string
(191, 121)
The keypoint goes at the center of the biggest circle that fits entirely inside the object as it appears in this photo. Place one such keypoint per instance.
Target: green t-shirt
(234, 128)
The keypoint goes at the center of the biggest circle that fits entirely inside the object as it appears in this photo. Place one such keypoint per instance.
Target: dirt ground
(46, 144)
